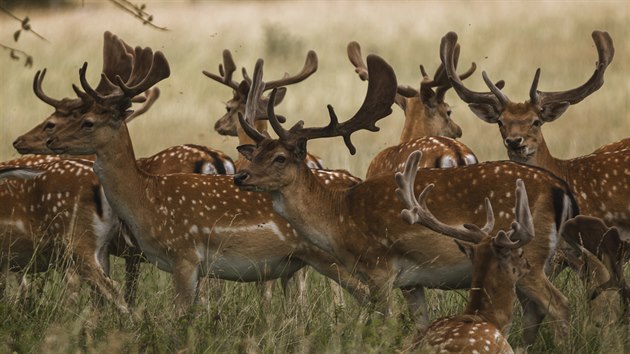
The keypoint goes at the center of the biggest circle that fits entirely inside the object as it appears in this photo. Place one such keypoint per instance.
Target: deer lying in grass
(498, 263)
(598, 181)
(428, 124)
(189, 225)
(361, 226)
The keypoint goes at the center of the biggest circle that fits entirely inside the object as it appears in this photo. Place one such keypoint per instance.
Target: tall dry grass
(507, 39)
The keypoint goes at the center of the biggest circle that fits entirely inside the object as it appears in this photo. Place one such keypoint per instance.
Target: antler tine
(523, 227)
(151, 69)
(253, 96)
(354, 54)
(86, 86)
(501, 97)
(376, 105)
(151, 95)
(310, 66)
(226, 70)
(117, 60)
(37, 88)
(419, 213)
(605, 52)
(447, 50)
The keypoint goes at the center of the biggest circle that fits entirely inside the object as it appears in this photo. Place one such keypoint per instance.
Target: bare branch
(137, 12)
(25, 25)
(15, 54)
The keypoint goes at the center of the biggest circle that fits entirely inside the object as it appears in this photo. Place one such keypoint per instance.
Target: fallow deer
(190, 225)
(622, 144)
(60, 215)
(428, 123)
(361, 226)
(600, 182)
(498, 263)
(228, 124)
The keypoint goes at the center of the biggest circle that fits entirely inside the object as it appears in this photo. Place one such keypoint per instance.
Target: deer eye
(49, 126)
(280, 159)
(87, 124)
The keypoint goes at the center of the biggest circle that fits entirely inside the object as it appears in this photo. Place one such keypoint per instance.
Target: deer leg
(132, 273)
(417, 305)
(185, 279)
(266, 292)
(101, 283)
(543, 299)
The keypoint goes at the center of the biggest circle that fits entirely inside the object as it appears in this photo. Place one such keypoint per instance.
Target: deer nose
(50, 141)
(458, 132)
(514, 143)
(240, 178)
(17, 142)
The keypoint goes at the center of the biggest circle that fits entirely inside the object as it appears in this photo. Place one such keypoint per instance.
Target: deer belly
(456, 276)
(245, 269)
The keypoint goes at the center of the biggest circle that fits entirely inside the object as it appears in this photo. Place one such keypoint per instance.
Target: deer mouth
(522, 152)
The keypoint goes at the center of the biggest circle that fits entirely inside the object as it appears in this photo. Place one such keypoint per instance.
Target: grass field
(508, 39)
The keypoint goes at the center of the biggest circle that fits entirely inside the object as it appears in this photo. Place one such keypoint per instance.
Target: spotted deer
(428, 124)
(600, 182)
(361, 226)
(58, 217)
(497, 264)
(187, 224)
(622, 144)
(228, 123)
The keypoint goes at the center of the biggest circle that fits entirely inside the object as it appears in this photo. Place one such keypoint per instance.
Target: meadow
(508, 39)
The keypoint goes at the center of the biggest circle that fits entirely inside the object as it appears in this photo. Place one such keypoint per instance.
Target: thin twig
(28, 61)
(122, 4)
(24, 24)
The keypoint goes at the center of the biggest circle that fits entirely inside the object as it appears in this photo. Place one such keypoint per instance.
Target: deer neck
(543, 158)
(492, 303)
(414, 121)
(123, 182)
(305, 203)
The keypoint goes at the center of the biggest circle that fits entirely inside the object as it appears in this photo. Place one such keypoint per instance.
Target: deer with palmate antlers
(498, 263)
(428, 124)
(600, 182)
(189, 225)
(361, 227)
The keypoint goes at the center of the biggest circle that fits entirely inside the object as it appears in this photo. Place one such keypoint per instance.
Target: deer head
(520, 123)
(117, 60)
(425, 109)
(109, 111)
(227, 124)
(275, 163)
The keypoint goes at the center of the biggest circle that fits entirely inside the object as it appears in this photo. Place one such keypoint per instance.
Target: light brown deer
(58, 216)
(428, 124)
(361, 226)
(228, 124)
(622, 144)
(190, 225)
(600, 182)
(498, 263)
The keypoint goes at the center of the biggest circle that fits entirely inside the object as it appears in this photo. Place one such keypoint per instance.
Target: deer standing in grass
(600, 182)
(361, 226)
(498, 263)
(428, 124)
(117, 60)
(190, 225)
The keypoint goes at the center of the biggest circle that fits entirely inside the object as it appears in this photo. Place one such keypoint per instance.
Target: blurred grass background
(508, 39)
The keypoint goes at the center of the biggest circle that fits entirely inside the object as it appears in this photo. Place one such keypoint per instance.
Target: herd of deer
(194, 212)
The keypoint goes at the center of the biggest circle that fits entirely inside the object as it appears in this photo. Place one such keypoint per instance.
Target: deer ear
(300, 149)
(243, 89)
(466, 248)
(280, 92)
(247, 151)
(485, 112)
(552, 111)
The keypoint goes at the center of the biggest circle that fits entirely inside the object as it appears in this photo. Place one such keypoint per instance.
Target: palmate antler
(376, 105)
(522, 229)
(148, 69)
(440, 80)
